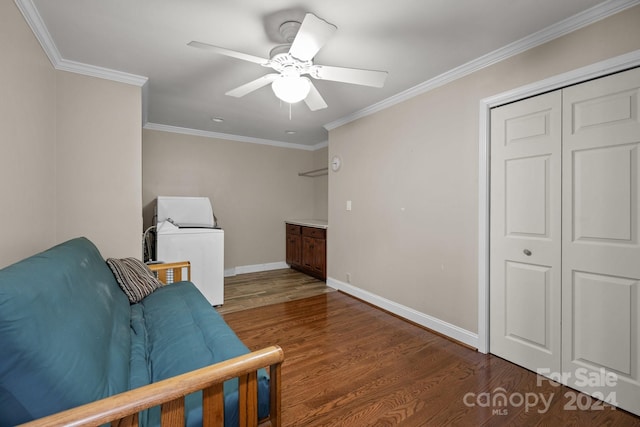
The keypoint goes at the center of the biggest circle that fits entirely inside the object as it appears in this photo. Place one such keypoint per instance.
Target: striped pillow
(134, 277)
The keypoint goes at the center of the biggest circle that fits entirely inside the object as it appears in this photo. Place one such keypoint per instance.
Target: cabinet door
(294, 254)
(314, 255)
(308, 252)
(313, 248)
(319, 256)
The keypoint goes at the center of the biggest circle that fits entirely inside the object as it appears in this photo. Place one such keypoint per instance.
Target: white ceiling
(414, 40)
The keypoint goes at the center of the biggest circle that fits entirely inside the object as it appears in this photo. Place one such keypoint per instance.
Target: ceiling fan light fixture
(295, 58)
(291, 89)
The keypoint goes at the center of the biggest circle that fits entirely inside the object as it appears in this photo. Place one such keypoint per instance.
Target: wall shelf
(315, 173)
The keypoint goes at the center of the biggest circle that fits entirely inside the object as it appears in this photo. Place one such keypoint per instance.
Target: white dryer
(186, 231)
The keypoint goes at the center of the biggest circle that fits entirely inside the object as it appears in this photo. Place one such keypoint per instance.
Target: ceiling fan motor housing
(282, 61)
(289, 30)
(279, 50)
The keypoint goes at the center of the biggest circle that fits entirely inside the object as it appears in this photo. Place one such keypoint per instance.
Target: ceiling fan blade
(256, 84)
(314, 100)
(312, 35)
(349, 75)
(229, 52)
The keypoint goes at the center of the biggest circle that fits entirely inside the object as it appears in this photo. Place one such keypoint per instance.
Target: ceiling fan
(294, 60)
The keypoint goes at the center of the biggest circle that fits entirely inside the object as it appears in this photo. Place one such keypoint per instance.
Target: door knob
(527, 252)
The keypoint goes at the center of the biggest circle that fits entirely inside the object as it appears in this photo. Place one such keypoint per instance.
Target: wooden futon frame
(122, 409)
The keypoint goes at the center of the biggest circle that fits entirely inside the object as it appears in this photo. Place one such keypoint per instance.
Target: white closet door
(601, 247)
(525, 266)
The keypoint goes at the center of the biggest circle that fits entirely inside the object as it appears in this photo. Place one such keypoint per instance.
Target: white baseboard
(435, 324)
(255, 268)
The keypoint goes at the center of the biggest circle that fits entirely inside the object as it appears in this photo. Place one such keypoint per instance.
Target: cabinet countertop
(316, 223)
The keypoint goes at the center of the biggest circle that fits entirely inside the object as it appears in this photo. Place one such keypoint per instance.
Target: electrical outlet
(348, 277)
(348, 205)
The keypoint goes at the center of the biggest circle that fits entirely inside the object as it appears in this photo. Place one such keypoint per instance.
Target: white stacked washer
(186, 231)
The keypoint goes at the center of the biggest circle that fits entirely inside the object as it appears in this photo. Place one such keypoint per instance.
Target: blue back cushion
(64, 332)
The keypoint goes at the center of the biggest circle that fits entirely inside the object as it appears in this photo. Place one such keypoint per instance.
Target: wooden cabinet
(307, 250)
(294, 246)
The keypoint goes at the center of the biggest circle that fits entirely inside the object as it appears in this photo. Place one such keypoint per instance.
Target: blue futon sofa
(69, 335)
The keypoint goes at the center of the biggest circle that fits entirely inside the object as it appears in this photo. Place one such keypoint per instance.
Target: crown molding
(566, 26)
(100, 72)
(232, 137)
(587, 17)
(320, 145)
(39, 29)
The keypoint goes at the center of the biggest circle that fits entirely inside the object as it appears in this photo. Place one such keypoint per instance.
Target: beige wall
(70, 160)
(253, 188)
(27, 141)
(411, 172)
(99, 163)
(321, 185)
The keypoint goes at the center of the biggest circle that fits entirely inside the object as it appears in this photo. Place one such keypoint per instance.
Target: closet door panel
(604, 304)
(525, 267)
(600, 248)
(605, 195)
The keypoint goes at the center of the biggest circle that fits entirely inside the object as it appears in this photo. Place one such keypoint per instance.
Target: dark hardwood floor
(350, 364)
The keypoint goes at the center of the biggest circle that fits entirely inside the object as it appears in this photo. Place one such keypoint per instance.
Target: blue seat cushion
(186, 333)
